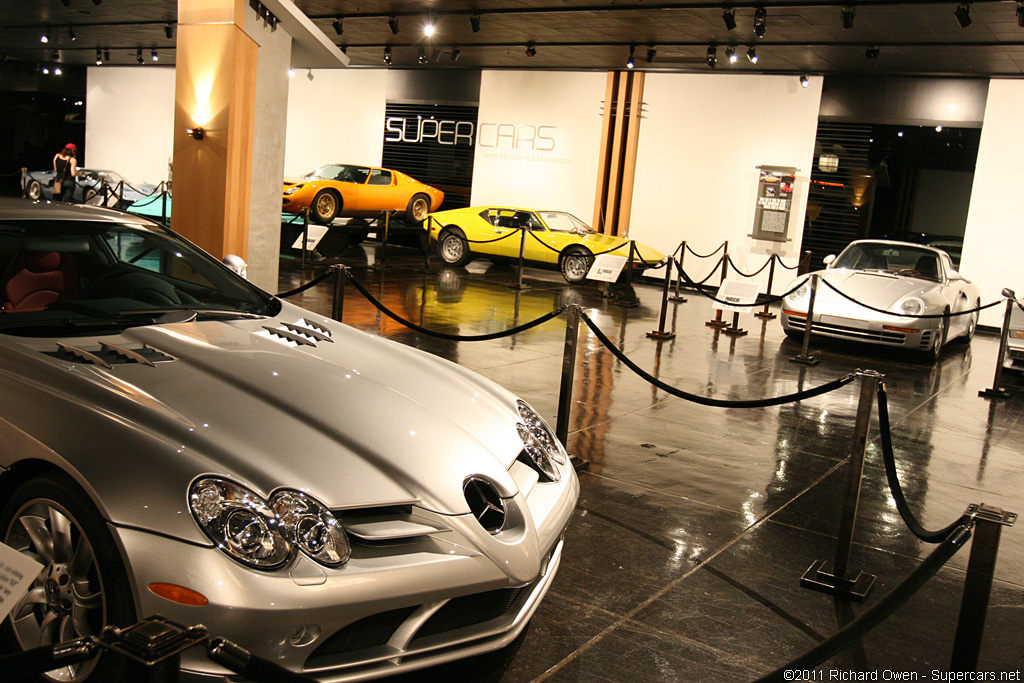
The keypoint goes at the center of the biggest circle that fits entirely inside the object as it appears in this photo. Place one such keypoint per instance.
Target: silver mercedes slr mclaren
(886, 292)
(176, 441)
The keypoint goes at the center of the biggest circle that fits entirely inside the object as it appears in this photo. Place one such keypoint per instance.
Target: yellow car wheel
(575, 264)
(326, 205)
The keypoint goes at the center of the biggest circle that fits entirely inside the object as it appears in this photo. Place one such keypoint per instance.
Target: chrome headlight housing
(539, 442)
(239, 522)
(800, 293)
(311, 527)
(911, 307)
(293, 189)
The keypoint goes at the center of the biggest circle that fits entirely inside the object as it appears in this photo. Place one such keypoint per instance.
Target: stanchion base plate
(995, 392)
(720, 324)
(661, 335)
(765, 316)
(817, 579)
(521, 288)
(734, 331)
(579, 464)
(809, 359)
(678, 299)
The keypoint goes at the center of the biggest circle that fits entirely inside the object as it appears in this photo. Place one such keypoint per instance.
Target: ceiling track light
(44, 38)
(387, 55)
(138, 56)
(1020, 13)
(421, 58)
(729, 18)
(56, 55)
(71, 34)
(436, 55)
(849, 12)
(154, 56)
(712, 56)
(169, 31)
(99, 57)
(97, 2)
(456, 52)
(630, 62)
(393, 24)
(652, 52)
(804, 81)
(963, 14)
(752, 54)
(474, 23)
(531, 51)
(58, 72)
(760, 21)
(106, 53)
(731, 55)
(66, 3)
(429, 27)
(338, 27)
(872, 51)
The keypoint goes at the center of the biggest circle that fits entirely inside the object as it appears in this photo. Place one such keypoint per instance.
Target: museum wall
(701, 141)
(129, 119)
(993, 239)
(538, 139)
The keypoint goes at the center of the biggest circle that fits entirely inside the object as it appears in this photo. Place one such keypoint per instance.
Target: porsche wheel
(939, 338)
(83, 585)
(326, 206)
(453, 248)
(972, 325)
(419, 207)
(34, 190)
(575, 264)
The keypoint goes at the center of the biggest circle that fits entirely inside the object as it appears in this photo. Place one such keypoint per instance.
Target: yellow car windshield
(561, 221)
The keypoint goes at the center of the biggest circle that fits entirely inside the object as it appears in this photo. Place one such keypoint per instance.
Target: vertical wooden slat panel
(601, 191)
(636, 96)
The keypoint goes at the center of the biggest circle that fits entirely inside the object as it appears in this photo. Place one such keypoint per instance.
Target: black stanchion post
(718, 322)
(163, 204)
(425, 244)
(518, 284)
(678, 298)
(305, 236)
(997, 391)
(572, 333)
(629, 263)
(805, 263)
(988, 525)
(734, 329)
(805, 357)
(384, 243)
(838, 581)
(338, 306)
(660, 333)
(764, 314)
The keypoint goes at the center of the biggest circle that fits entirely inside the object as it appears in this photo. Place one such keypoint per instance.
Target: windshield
(899, 259)
(61, 275)
(342, 173)
(563, 222)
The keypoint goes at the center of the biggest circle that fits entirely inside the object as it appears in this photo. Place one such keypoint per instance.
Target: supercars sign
(511, 136)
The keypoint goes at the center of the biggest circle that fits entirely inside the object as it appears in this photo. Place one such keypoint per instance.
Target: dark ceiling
(911, 37)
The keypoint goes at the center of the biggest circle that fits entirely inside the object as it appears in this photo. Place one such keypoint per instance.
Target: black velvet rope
(148, 200)
(699, 287)
(704, 400)
(889, 457)
(719, 248)
(877, 613)
(444, 335)
(783, 265)
(312, 283)
(904, 315)
(756, 272)
(496, 239)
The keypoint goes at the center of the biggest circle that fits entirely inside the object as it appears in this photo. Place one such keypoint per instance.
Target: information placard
(17, 572)
(737, 292)
(315, 234)
(606, 267)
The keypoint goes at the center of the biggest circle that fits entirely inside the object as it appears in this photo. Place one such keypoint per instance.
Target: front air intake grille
(882, 336)
(372, 631)
(469, 610)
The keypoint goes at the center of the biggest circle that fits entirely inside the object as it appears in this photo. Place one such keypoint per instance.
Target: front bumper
(898, 332)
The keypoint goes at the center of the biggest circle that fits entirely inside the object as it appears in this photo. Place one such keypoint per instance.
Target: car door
(378, 192)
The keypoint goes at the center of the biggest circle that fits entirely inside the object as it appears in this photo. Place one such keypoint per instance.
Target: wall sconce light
(474, 23)
(196, 133)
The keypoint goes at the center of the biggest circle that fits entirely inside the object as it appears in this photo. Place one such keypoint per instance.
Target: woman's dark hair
(69, 152)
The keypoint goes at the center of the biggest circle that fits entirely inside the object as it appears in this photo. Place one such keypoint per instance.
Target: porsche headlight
(239, 522)
(539, 442)
(293, 189)
(912, 307)
(312, 527)
(799, 294)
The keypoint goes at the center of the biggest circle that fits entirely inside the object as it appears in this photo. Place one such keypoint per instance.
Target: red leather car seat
(40, 278)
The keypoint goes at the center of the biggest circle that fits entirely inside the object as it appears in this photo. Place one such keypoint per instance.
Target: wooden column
(215, 90)
(620, 132)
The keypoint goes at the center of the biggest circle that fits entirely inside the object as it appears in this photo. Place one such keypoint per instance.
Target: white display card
(17, 572)
(606, 267)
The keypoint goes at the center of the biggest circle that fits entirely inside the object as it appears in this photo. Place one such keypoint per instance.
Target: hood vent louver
(109, 355)
(304, 333)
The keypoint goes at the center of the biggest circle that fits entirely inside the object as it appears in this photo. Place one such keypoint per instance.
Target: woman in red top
(65, 167)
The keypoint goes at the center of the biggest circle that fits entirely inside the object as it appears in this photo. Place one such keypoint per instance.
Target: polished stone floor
(695, 523)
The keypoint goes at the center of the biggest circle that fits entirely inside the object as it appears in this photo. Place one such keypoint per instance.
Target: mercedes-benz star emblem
(486, 505)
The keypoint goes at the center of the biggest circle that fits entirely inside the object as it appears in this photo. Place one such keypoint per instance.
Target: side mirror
(236, 264)
(829, 259)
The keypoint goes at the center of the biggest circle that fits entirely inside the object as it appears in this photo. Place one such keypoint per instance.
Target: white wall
(700, 144)
(336, 117)
(994, 238)
(129, 119)
(538, 137)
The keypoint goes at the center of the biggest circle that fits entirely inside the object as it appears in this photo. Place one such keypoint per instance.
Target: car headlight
(539, 441)
(800, 293)
(293, 189)
(912, 307)
(239, 522)
(310, 526)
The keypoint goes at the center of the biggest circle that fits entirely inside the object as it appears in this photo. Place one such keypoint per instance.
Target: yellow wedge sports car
(359, 192)
(553, 239)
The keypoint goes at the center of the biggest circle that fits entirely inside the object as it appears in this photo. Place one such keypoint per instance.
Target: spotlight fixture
(712, 57)
(57, 71)
(338, 28)
(138, 56)
(97, 2)
(44, 38)
(652, 52)
(196, 133)
(435, 56)
(387, 55)
(963, 14)
(428, 28)
(393, 24)
(731, 55)
(729, 17)
(154, 56)
(872, 51)
(630, 62)
(71, 34)
(106, 53)
(752, 54)
(46, 70)
(1020, 13)
(56, 55)
(66, 3)
(99, 57)
(531, 51)
(804, 81)
(849, 12)
(291, 73)
(760, 19)
(455, 53)
(474, 23)
(421, 58)
(309, 74)
(938, 128)
(169, 31)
